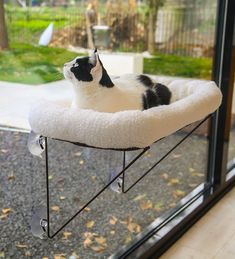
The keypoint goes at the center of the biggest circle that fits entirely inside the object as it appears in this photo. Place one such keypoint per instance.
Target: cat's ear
(93, 57)
(96, 71)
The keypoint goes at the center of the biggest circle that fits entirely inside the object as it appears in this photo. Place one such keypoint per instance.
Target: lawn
(182, 66)
(33, 65)
(25, 25)
(36, 65)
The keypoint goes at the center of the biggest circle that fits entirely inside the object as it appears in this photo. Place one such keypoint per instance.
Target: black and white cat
(94, 89)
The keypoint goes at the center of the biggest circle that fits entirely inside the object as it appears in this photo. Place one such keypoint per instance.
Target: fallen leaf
(3, 216)
(140, 197)
(28, 253)
(129, 219)
(87, 242)
(50, 177)
(145, 205)
(11, 177)
(98, 249)
(89, 234)
(197, 174)
(81, 162)
(192, 185)
(55, 208)
(134, 227)
(90, 224)
(78, 154)
(6, 210)
(66, 235)
(127, 239)
(112, 232)
(165, 176)
(113, 220)
(74, 256)
(2, 254)
(4, 150)
(45, 257)
(21, 246)
(178, 193)
(87, 209)
(176, 155)
(93, 177)
(101, 241)
(173, 181)
(62, 198)
(60, 256)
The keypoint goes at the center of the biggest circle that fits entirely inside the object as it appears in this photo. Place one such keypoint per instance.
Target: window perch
(192, 100)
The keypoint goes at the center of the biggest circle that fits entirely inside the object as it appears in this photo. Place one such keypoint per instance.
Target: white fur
(125, 95)
(192, 101)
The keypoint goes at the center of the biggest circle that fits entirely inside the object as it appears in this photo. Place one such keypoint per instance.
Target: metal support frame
(121, 174)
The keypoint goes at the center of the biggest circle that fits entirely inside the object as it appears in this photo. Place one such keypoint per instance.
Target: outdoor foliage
(30, 23)
(33, 65)
(36, 65)
(172, 65)
(184, 30)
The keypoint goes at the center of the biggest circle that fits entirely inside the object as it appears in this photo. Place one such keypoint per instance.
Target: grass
(26, 25)
(181, 66)
(37, 65)
(33, 65)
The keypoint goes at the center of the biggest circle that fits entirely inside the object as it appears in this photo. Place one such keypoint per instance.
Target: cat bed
(192, 100)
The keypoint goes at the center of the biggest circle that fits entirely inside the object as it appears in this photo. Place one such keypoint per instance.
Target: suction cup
(116, 186)
(39, 223)
(36, 144)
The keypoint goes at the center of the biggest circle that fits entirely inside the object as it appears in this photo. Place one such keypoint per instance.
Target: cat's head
(87, 69)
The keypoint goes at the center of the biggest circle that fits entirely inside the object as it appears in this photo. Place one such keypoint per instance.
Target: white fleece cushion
(192, 100)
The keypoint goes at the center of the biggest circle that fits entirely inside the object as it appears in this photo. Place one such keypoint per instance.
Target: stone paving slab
(16, 99)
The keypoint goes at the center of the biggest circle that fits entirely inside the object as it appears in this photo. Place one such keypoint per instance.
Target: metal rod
(95, 196)
(47, 188)
(122, 173)
(163, 157)
(123, 167)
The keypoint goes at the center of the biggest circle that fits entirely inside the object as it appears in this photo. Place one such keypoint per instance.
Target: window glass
(175, 41)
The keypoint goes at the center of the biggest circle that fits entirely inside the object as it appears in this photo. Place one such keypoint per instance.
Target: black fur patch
(82, 71)
(105, 79)
(145, 80)
(163, 93)
(144, 101)
(150, 99)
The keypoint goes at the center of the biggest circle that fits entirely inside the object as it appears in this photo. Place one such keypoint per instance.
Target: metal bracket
(120, 175)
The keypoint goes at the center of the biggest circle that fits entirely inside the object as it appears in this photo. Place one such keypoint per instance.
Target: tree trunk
(152, 20)
(3, 30)
(90, 42)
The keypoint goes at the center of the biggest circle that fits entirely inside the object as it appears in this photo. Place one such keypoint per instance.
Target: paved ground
(16, 99)
(75, 175)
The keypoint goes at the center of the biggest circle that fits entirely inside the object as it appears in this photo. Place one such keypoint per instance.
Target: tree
(3, 30)
(153, 6)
